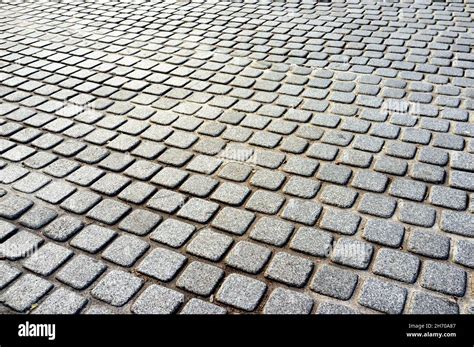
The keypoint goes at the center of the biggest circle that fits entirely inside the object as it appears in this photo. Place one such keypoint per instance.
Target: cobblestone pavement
(269, 157)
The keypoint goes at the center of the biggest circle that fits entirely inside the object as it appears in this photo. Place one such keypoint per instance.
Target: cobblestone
(241, 291)
(81, 272)
(209, 244)
(383, 296)
(47, 259)
(396, 265)
(289, 269)
(424, 303)
(284, 301)
(319, 130)
(117, 287)
(334, 282)
(25, 292)
(200, 278)
(447, 279)
(158, 300)
(61, 301)
(199, 307)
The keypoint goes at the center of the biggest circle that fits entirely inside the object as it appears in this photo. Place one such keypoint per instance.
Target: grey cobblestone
(248, 257)
(464, 253)
(117, 287)
(108, 211)
(340, 221)
(334, 282)
(92, 238)
(241, 291)
(447, 279)
(125, 250)
(457, 223)
(172, 232)
(383, 296)
(8, 274)
(61, 301)
(233, 220)
(417, 214)
(162, 264)
(220, 124)
(198, 210)
(396, 265)
(13, 206)
(330, 308)
(424, 303)
(209, 245)
(200, 278)
(25, 292)
(81, 272)
(429, 243)
(20, 245)
(37, 217)
(272, 231)
(197, 306)
(289, 269)
(352, 253)
(47, 259)
(140, 222)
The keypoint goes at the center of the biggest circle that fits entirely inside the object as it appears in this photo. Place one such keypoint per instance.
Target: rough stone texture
(248, 257)
(200, 278)
(284, 301)
(289, 269)
(197, 306)
(353, 253)
(285, 126)
(81, 271)
(334, 282)
(396, 265)
(61, 301)
(158, 300)
(162, 264)
(424, 303)
(448, 279)
(241, 291)
(25, 292)
(117, 287)
(383, 296)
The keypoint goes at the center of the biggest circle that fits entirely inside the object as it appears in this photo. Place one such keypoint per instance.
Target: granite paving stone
(125, 250)
(92, 238)
(272, 231)
(81, 271)
(47, 259)
(424, 303)
(284, 301)
(383, 296)
(289, 269)
(25, 292)
(334, 282)
(162, 264)
(396, 265)
(234, 135)
(199, 307)
(61, 301)
(200, 278)
(117, 287)
(209, 244)
(9, 274)
(443, 278)
(241, 291)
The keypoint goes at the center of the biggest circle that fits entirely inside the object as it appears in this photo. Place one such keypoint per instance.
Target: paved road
(263, 157)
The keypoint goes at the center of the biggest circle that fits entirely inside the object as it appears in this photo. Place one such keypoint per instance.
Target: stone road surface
(264, 157)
